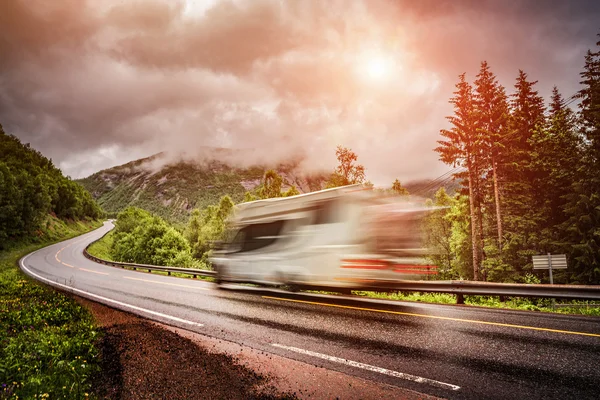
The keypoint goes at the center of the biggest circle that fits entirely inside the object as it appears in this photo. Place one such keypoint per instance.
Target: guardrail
(189, 271)
(462, 288)
(458, 288)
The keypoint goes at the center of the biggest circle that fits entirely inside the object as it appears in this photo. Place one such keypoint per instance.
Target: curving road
(446, 351)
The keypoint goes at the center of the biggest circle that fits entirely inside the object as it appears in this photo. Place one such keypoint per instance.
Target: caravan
(344, 238)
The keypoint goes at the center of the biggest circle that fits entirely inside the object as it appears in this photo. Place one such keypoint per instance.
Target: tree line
(530, 178)
(31, 188)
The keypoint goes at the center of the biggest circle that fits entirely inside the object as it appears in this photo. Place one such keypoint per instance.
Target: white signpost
(550, 262)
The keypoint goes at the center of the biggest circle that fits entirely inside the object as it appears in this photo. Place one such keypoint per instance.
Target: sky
(94, 84)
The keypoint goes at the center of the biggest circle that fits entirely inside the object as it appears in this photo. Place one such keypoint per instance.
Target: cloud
(94, 84)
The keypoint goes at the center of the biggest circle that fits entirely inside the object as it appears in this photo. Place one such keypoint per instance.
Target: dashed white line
(368, 367)
(103, 299)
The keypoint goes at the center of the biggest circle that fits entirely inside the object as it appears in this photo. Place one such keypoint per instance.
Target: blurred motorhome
(345, 237)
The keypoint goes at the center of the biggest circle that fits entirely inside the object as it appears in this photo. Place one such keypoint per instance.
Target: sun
(378, 68)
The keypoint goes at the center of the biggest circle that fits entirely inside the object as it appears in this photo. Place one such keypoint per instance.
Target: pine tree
(583, 206)
(460, 148)
(521, 215)
(492, 114)
(556, 150)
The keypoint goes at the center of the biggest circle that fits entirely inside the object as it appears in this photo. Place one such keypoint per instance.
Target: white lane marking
(368, 367)
(165, 283)
(101, 298)
(94, 272)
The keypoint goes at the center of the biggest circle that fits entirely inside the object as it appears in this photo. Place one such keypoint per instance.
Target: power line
(439, 181)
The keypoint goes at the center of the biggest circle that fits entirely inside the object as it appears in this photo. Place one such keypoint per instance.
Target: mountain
(427, 187)
(173, 189)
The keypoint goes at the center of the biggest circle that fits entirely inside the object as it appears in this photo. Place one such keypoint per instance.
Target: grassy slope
(101, 248)
(47, 340)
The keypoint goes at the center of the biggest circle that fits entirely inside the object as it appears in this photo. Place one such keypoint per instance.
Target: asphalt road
(447, 351)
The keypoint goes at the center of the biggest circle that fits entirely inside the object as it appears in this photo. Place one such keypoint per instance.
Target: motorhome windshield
(256, 236)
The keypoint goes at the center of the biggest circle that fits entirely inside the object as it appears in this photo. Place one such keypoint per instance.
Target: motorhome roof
(283, 205)
(317, 194)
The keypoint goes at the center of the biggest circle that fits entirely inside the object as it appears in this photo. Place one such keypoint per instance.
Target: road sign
(558, 261)
(550, 262)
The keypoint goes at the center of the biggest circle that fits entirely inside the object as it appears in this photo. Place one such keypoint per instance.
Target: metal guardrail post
(460, 298)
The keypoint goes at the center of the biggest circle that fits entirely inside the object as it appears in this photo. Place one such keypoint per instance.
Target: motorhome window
(257, 236)
(326, 212)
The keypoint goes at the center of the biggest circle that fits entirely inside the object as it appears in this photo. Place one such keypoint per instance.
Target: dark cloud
(93, 84)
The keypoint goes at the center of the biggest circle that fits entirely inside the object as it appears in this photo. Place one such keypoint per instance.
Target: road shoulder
(144, 359)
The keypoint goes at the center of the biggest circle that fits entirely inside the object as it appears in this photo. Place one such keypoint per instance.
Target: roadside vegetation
(47, 341)
(514, 303)
(31, 187)
(530, 176)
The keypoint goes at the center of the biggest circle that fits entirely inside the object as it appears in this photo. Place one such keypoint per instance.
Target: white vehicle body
(339, 238)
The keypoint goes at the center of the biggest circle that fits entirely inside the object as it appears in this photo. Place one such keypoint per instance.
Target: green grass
(514, 303)
(47, 340)
(101, 248)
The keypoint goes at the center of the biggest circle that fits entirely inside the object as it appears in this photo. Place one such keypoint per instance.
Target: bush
(142, 238)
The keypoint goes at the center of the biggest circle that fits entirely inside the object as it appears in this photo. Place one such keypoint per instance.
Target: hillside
(427, 187)
(31, 189)
(174, 189)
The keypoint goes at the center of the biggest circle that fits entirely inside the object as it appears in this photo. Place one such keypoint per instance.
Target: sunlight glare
(378, 68)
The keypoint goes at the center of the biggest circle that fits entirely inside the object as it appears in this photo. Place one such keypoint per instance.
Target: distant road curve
(442, 350)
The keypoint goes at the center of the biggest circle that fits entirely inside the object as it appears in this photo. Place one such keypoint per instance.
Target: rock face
(173, 189)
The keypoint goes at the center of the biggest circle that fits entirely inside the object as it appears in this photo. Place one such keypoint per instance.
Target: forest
(530, 179)
(31, 188)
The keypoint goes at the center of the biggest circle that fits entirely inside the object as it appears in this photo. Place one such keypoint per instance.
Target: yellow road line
(472, 321)
(58, 252)
(165, 283)
(95, 272)
(69, 265)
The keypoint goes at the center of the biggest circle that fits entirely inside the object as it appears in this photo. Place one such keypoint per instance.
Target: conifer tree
(556, 150)
(492, 113)
(583, 206)
(460, 148)
(521, 217)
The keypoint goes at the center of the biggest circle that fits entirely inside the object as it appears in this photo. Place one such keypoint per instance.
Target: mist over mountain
(173, 185)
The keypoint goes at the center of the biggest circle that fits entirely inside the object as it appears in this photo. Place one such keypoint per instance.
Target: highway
(450, 351)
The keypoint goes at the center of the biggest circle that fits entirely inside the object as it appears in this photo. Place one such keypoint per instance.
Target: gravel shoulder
(141, 359)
